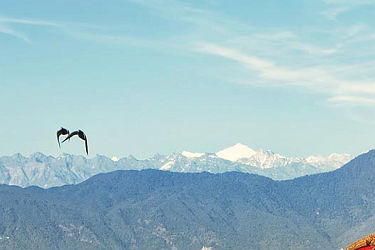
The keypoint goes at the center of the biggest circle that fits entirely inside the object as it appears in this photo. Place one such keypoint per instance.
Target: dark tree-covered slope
(153, 209)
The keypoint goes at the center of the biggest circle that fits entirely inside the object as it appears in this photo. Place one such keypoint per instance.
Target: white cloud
(358, 87)
(323, 61)
(27, 21)
(352, 100)
(172, 8)
(319, 79)
(349, 2)
(268, 70)
(11, 32)
(339, 7)
(6, 26)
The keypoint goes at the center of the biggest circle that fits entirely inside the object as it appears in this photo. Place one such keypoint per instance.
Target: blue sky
(147, 76)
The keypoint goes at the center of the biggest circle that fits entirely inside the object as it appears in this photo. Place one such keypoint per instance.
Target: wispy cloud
(318, 79)
(205, 21)
(173, 9)
(83, 31)
(333, 13)
(322, 61)
(267, 70)
(110, 39)
(6, 26)
(352, 100)
(27, 21)
(338, 7)
(349, 2)
(277, 57)
(11, 32)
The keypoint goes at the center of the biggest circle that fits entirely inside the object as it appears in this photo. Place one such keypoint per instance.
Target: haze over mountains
(48, 171)
(154, 209)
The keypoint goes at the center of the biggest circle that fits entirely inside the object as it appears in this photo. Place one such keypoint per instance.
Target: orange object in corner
(367, 243)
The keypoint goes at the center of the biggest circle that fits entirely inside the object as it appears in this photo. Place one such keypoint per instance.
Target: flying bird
(80, 135)
(62, 131)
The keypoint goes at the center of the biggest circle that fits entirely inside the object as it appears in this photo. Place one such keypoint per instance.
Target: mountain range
(48, 171)
(153, 209)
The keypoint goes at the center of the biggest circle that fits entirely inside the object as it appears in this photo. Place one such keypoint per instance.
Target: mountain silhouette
(152, 209)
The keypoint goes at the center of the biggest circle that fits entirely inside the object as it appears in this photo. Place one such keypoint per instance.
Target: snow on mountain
(114, 158)
(167, 166)
(236, 152)
(180, 163)
(48, 171)
(333, 161)
(265, 159)
(191, 155)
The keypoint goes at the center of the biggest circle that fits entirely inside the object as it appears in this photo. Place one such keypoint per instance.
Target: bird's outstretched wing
(87, 148)
(58, 135)
(62, 131)
(70, 135)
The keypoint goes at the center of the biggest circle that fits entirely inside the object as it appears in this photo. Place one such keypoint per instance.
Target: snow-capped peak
(266, 159)
(167, 165)
(236, 152)
(340, 157)
(114, 158)
(334, 160)
(191, 154)
(332, 157)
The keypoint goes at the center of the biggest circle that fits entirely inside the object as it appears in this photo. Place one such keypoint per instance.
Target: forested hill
(152, 209)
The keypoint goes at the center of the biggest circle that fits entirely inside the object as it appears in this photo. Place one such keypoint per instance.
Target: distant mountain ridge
(48, 171)
(268, 159)
(152, 209)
